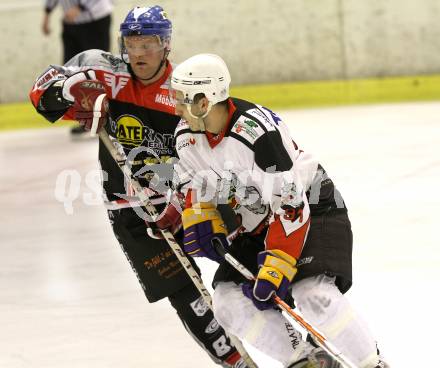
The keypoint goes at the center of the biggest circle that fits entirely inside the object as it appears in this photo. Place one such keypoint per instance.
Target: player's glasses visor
(142, 44)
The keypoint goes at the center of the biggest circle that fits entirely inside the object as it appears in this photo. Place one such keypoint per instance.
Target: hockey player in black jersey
(295, 233)
(139, 114)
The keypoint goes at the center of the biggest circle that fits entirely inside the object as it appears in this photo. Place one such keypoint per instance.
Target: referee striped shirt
(90, 9)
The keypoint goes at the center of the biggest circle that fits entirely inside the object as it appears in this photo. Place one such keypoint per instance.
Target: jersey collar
(215, 139)
(156, 85)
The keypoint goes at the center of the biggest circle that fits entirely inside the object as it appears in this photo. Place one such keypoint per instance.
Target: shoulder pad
(98, 59)
(182, 125)
(271, 154)
(265, 116)
(182, 129)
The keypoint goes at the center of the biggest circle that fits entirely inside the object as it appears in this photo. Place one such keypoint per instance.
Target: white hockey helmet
(202, 73)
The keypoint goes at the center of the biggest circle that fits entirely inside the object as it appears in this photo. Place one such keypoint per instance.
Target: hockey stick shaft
(168, 236)
(317, 336)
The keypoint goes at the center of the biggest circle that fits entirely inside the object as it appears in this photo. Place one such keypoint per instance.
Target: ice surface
(69, 299)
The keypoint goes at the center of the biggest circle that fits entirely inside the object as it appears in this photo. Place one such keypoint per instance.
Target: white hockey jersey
(254, 166)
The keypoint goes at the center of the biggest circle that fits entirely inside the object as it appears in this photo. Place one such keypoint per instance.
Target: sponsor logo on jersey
(265, 116)
(131, 132)
(199, 307)
(115, 83)
(212, 327)
(182, 144)
(259, 115)
(185, 143)
(246, 127)
(249, 127)
(164, 100)
(251, 123)
(274, 117)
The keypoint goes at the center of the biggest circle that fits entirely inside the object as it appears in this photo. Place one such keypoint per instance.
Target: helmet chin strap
(200, 118)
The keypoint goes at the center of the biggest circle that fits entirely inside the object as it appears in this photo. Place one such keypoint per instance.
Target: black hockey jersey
(140, 117)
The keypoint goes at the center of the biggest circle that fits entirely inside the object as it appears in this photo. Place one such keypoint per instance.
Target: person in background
(85, 26)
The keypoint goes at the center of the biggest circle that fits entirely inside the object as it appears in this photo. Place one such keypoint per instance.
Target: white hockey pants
(322, 305)
(328, 310)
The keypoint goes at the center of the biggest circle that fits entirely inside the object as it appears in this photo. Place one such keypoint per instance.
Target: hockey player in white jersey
(295, 232)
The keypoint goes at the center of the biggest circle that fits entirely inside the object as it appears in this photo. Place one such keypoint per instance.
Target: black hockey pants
(161, 275)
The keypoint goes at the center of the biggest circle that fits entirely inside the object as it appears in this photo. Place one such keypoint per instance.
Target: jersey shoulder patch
(251, 122)
(248, 129)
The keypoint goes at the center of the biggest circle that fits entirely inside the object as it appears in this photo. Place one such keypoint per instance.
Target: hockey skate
(318, 358)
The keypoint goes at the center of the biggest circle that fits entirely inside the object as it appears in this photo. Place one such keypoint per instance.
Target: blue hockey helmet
(147, 21)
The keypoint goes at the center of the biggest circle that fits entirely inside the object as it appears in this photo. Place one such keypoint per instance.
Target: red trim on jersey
(292, 244)
(150, 96)
(189, 198)
(214, 139)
